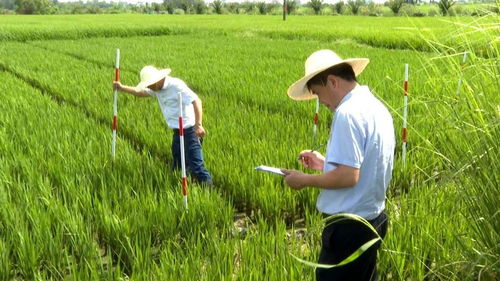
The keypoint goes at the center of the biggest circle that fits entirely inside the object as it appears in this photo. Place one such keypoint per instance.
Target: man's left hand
(199, 130)
(295, 179)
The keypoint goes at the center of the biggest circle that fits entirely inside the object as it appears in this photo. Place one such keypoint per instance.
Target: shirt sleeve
(188, 96)
(347, 142)
(150, 92)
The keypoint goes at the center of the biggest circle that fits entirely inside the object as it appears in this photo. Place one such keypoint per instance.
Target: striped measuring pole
(316, 121)
(405, 114)
(183, 159)
(461, 73)
(115, 104)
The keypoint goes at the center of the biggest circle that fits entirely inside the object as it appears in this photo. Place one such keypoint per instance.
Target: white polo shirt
(361, 136)
(168, 100)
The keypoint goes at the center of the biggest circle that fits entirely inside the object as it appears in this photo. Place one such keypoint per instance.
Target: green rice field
(69, 212)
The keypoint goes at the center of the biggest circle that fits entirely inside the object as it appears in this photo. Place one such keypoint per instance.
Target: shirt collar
(348, 96)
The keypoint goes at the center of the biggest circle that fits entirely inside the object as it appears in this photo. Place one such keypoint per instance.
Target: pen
(312, 150)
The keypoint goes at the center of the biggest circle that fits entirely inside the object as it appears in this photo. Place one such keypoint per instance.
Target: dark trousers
(192, 153)
(340, 240)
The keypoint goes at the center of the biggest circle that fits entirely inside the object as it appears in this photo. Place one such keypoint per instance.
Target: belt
(375, 222)
(176, 131)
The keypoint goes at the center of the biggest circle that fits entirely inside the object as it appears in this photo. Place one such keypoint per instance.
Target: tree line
(350, 7)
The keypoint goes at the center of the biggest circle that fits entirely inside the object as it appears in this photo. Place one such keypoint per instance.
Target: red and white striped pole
(405, 113)
(115, 104)
(462, 69)
(183, 160)
(316, 121)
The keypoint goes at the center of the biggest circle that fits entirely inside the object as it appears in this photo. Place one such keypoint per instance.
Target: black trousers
(340, 240)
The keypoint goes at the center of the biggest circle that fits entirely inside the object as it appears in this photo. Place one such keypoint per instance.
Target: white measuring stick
(316, 121)
(183, 160)
(405, 113)
(115, 104)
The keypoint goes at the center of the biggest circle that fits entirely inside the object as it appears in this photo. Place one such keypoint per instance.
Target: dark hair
(343, 70)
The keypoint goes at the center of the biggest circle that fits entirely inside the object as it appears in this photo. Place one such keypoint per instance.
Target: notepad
(270, 170)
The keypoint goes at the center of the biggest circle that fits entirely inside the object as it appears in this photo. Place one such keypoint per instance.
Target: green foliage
(94, 10)
(70, 213)
(34, 6)
(395, 5)
(265, 8)
(188, 6)
(339, 7)
(262, 8)
(185, 5)
(354, 5)
(273, 8)
(217, 5)
(291, 6)
(8, 4)
(179, 12)
(6, 12)
(407, 10)
(433, 12)
(233, 7)
(316, 5)
(78, 9)
(445, 5)
(372, 9)
(157, 8)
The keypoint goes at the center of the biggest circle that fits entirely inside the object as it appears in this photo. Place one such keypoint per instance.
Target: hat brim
(162, 73)
(299, 90)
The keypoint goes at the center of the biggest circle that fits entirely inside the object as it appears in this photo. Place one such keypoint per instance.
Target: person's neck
(346, 88)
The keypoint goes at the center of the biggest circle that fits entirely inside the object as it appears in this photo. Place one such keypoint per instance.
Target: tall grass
(70, 213)
(455, 235)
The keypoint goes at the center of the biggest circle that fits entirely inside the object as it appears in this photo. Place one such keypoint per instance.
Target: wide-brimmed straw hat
(150, 75)
(316, 63)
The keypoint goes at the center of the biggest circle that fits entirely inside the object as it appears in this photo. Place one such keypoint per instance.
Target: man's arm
(130, 90)
(343, 176)
(198, 118)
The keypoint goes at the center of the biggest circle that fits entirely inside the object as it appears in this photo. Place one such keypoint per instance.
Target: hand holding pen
(312, 159)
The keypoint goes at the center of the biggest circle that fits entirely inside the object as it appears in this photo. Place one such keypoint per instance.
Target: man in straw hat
(357, 167)
(157, 83)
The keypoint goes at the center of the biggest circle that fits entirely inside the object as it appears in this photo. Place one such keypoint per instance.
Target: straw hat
(150, 75)
(316, 63)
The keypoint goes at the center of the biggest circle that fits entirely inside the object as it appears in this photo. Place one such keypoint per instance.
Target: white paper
(270, 170)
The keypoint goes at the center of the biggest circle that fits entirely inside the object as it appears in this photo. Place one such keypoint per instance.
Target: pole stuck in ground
(183, 159)
(115, 104)
(315, 126)
(405, 114)
(284, 10)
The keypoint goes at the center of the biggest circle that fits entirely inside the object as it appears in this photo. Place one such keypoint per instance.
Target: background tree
(157, 8)
(338, 7)
(291, 6)
(248, 6)
(217, 4)
(395, 5)
(445, 5)
(316, 6)
(355, 5)
(261, 6)
(169, 6)
(78, 8)
(33, 6)
(200, 7)
(8, 4)
(94, 9)
(233, 7)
